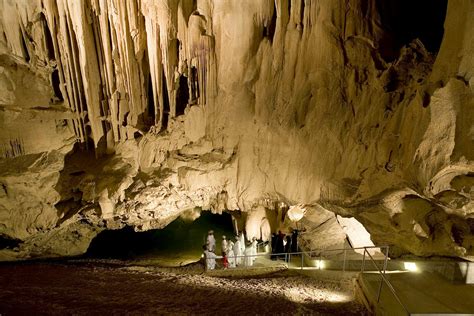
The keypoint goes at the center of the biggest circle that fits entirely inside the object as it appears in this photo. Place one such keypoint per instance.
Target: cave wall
(176, 106)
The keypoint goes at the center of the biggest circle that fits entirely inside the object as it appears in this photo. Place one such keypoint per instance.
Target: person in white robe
(253, 247)
(211, 241)
(248, 259)
(237, 251)
(210, 259)
(242, 242)
(230, 253)
(224, 245)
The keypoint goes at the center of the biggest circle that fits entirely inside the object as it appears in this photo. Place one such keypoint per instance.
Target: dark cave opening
(8, 243)
(405, 20)
(269, 30)
(194, 85)
(166, 102)
(149, 114)
(24, 47)
(47, 37)
(150, 117)
(56, 85)
(302, 13)
(182, 95)
(180, 239)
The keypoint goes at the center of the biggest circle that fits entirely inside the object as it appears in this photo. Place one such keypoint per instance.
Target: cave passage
(406, 20)
(179, 241)
(8, 243)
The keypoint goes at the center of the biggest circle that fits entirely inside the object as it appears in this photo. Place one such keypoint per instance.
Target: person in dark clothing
(294, 241)
(274, 244)
(288, 244)
(280, 248)
(288, 247)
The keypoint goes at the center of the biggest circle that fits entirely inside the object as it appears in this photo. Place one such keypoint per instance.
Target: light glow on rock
(308, 294)
(296, 212)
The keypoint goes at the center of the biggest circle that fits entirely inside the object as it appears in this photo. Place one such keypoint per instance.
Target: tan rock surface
(233, 105)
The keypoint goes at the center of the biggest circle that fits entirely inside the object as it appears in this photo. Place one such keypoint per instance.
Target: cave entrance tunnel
(178, 243)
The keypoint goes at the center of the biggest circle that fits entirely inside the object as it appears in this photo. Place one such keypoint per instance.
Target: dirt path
(91, 288)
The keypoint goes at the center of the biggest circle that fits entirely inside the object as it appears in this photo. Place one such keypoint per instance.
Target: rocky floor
(97, 288)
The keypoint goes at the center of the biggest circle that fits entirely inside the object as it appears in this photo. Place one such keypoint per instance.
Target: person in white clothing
(224, 244)
(248, 259)
(230, 254)
(253, 247)
(237, 251)
(242, 242)
(210, 258)
(211, 241)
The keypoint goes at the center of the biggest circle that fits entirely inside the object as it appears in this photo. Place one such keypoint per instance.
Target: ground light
(319, 264)
(410, 266)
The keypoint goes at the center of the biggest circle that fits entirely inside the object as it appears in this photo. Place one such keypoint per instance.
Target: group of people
(233, 253)
(237, 253)
(282, 244)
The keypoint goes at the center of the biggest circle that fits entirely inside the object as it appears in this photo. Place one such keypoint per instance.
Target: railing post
(386, 259)
(363, 261)
(380, 289)
(344, 263)
(383, 279)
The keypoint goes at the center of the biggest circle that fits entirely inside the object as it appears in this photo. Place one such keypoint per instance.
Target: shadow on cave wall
(179, 238)
(80, 165)
(6, 242)
(405, 20)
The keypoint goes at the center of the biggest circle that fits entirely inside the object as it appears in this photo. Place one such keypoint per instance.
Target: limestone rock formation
(119, 113)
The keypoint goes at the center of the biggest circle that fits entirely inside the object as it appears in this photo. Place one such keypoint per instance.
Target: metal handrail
(387, 282)
(308, 253)
(345, 249)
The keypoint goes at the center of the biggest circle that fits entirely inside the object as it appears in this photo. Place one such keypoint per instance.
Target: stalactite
(104, 20)
(154, 57)
(106, 55)
(52, 17)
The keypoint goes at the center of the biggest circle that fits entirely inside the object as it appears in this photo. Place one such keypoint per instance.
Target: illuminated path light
(410, 266)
